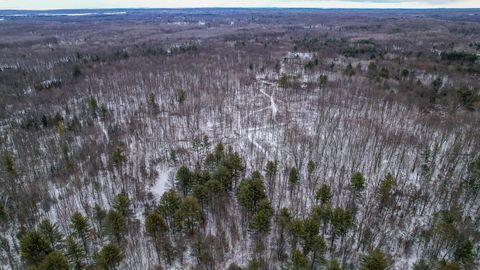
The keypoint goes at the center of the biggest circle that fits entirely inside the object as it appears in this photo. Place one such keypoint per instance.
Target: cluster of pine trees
(177, 226)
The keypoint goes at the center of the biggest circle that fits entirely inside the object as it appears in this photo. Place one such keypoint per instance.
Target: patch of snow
(27, 91)
(163, 182)
(301, 55)
(115, 13)
(273, 106)
(178, 23)
(104, 129)
(16, 15)
(67, 14)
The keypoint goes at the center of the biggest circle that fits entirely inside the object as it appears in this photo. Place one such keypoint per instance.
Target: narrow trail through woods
(248, 133)
(273, 106)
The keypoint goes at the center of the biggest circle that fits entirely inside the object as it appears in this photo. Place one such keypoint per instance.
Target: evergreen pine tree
(250, 192)
(115, 226)
(54, 260)
(324, 194)
(169, 204)
(311, 228)
(8, 164)
(156, 228)
(189, 215)
(318, 250)
(300, 261)
(219, 152)
(341, 221)
(110, 257)
(200, 192)
(184, 180)
(118, 157)
(375, 260)
(234, 163)
(223, 175)
(293, 177)
(385, 190)
(260, 222)
(357, 182)
(51, 233)
(34, 248)
(75, 253)
(296, 230)
(323, 213)
(80, 228)
(121, 203)
(464, 254)
(333, 265)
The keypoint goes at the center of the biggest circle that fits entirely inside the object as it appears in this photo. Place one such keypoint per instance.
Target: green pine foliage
(121, 204)
(115, 226)
(109, 257)
(324, 194)
(75, 253)
(8, 164)
(168, 206)
(51, 233)
(34, 248)
(375, 260)
(117, 157)
(189, 215)
(184, 180)
(293, 177)
(80, 228)
(260, 222)
(333, 265)
(250, 192)
(54, 260)
(357, 182)
(180, 214)
(300, 261)
(155, 225)
(385, 191)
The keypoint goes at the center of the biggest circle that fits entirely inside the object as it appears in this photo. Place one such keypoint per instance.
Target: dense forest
(240, 139)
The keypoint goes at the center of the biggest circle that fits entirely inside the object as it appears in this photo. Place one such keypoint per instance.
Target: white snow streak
(162, 183)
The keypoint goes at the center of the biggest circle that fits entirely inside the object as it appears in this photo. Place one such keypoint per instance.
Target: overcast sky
(71, 4)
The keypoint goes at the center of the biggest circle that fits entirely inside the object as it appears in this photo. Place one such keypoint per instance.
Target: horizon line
(236, 7)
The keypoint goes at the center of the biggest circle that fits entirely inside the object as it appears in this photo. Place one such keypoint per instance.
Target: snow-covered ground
(341, 130)
(164, 181)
